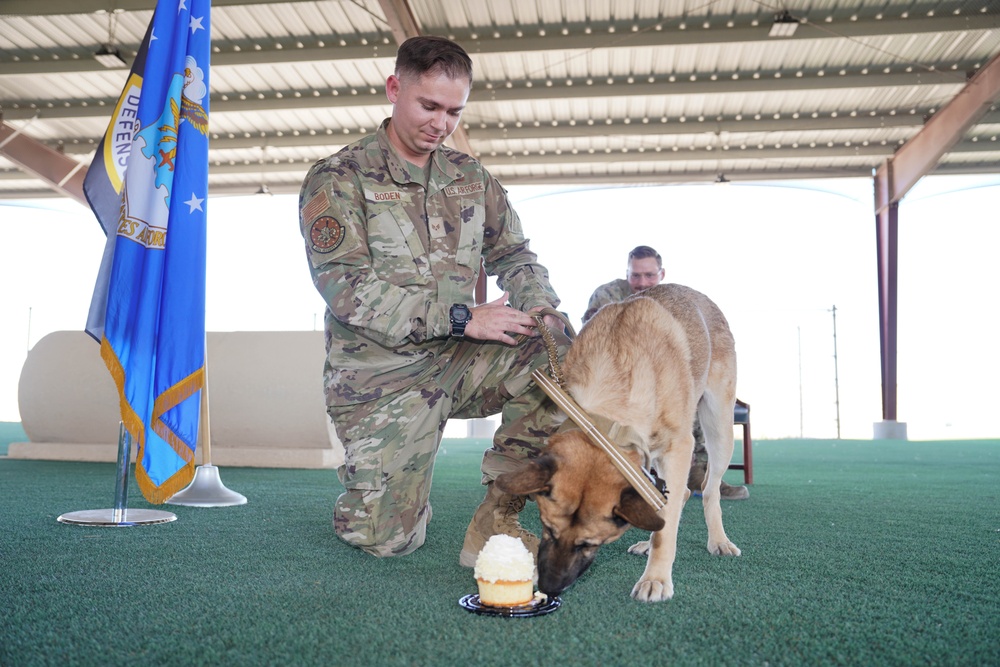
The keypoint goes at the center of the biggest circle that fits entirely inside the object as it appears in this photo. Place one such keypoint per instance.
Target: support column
(887, 247)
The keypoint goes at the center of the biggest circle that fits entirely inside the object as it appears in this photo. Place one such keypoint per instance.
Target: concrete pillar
(890, 430)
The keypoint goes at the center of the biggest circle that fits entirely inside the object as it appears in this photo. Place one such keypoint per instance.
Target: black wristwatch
(460, 315)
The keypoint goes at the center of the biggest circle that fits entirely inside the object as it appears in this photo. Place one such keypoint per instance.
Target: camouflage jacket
(388, 287)
(613, 292)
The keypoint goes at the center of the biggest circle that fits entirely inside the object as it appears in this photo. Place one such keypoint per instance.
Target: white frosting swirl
(504, 558)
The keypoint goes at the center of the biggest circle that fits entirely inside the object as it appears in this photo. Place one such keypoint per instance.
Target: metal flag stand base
(207, 490)
(119, 516)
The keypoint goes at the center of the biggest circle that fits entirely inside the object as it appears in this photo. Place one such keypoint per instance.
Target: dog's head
(583, 501)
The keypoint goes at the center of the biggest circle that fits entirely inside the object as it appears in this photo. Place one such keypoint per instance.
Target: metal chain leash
(555, 371)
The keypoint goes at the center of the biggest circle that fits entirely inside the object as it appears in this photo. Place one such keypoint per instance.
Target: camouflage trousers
(700, 453)
(391, 442)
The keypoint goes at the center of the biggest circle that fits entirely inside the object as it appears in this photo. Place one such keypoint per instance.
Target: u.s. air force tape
(326, 234)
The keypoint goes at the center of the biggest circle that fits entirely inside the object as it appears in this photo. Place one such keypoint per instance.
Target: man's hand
(498, 321)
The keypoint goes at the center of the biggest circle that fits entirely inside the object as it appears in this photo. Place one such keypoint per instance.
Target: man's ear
(639, 513)
(392, 86)
(532, 477)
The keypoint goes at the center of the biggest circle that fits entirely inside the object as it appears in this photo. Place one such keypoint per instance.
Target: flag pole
(119, 516)
(206, 489)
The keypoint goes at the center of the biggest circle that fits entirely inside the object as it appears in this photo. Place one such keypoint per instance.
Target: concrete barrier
(266, 402)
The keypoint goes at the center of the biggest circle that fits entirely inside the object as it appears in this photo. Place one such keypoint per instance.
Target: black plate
(534, 608)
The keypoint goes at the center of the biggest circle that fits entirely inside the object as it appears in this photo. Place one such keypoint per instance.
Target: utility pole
(836, 374)
(801, 419)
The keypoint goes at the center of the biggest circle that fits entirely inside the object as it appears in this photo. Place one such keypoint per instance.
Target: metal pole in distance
(119, 516)
(206, 489)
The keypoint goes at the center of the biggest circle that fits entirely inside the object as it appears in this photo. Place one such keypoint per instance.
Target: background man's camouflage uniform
(390, 255)
(613, 292)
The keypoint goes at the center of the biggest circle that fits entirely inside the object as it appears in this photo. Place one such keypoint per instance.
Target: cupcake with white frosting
(504, 571)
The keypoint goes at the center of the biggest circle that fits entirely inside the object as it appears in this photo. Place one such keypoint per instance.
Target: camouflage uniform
(613, 292)
(390, 256)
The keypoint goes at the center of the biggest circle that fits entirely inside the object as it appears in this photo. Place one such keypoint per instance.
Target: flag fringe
(132, 421)
(156, 495)
(171, 398)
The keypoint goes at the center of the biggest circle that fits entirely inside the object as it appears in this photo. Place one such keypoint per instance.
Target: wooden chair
(741, 417)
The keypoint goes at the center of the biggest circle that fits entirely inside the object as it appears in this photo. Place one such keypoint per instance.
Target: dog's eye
(618, 521)
(544, 493)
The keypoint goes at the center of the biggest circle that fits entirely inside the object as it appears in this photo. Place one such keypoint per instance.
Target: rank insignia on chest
(326, 234)
(435, 225)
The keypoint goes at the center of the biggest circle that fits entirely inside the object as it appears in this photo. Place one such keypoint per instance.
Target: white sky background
(776, 258)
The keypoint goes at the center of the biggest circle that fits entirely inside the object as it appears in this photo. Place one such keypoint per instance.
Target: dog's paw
(723, 548)
(653, 590)
(640, 548)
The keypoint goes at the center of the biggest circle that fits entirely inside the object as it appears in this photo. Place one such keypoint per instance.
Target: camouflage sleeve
(333, 223)
(508, 256)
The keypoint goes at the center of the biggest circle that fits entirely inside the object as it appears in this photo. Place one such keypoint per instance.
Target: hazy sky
(776, 258)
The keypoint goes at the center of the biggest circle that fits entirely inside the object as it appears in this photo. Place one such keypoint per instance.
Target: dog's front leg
(656, 583)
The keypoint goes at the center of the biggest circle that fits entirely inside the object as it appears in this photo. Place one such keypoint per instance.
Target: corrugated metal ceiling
(590, 91)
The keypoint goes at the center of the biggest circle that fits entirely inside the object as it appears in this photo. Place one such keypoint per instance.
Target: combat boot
(497, 514)
(727, 492)
(696, 480)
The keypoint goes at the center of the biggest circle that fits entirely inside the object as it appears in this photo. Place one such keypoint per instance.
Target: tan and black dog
(649, 364)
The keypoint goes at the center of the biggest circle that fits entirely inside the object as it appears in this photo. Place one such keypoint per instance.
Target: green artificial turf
(854, 553)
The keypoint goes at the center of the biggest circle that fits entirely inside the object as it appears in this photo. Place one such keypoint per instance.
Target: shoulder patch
(463, 190)
(326, 234)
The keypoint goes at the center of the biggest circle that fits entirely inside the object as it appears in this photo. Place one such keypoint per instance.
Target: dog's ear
(531, 477)
(634, 509)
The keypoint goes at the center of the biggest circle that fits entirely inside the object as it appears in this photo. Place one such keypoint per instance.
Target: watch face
(459, 314)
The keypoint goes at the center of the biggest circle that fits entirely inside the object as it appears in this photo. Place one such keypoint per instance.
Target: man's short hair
(419, 55)
(644, 251)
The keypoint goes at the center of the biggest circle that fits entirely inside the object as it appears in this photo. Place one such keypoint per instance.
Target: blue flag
(154, 158)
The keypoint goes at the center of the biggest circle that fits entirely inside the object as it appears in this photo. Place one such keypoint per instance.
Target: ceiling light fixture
(110, 57)
(263, 189)
(784, 25)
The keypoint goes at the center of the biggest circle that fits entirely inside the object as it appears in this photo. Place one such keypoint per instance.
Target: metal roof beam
(577, 39)
(61, 7)
(402, 21)
(618, 127)
(737, 177)
(335, 141)
(63, 174)
(538, 89)
(667, 32)
(919, 155)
